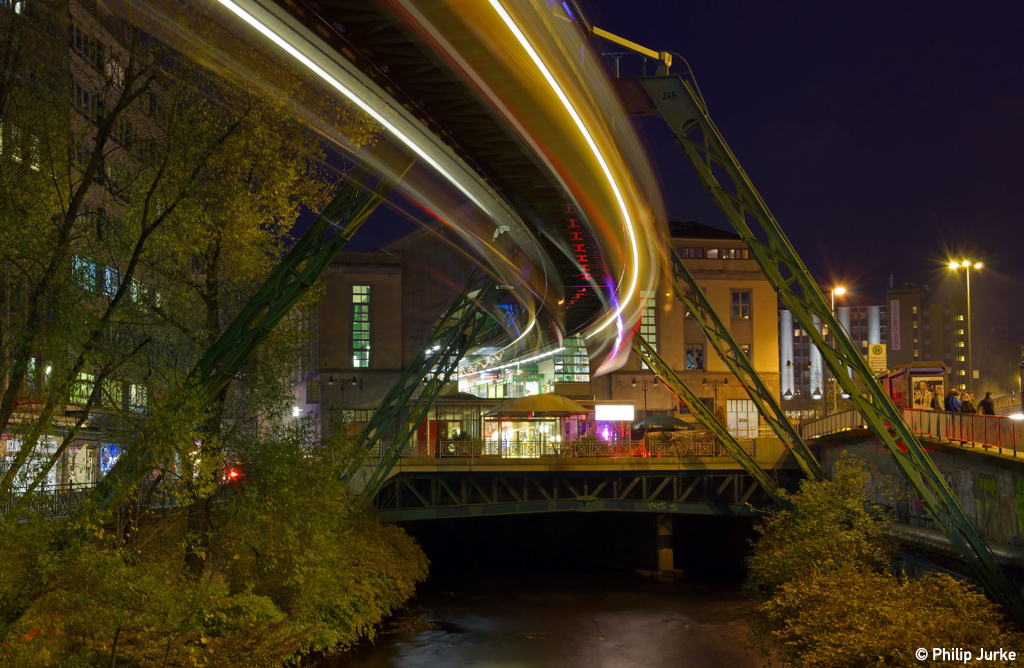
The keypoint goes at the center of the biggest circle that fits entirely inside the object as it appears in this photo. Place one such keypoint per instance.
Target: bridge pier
(666, 556)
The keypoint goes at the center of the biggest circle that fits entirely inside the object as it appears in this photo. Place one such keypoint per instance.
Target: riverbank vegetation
(294, 565)
(829, 596)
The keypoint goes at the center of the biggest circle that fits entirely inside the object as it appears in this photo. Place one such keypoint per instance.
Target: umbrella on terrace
(661, 423)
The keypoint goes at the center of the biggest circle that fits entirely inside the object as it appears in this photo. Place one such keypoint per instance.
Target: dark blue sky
(885, 137)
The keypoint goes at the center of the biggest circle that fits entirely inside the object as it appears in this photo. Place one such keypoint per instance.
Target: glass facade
(572, 365)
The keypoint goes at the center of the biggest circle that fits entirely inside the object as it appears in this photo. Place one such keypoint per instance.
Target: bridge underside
(440, 494)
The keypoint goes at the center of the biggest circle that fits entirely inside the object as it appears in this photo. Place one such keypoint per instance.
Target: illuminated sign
(613, 413)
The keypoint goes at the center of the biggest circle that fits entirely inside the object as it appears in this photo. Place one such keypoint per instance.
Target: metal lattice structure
(729, 350)
(450, 494)
(684, 112)
(466, 324)
(298, 270)
(703, 414)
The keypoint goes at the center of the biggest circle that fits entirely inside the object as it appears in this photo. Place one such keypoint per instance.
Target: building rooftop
(689, 229)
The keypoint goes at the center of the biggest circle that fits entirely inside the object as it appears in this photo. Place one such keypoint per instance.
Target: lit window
(360, 326)
(745, 348)
(694, 356)
(82, 389)
(914, 310)
(959, 318)
(741, 303)
(648, 324)
(137, 397)
(695, 253)
(85, 272)
(572, 365)
(713, 253)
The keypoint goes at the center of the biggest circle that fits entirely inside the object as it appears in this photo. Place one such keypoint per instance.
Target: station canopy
(545, 404)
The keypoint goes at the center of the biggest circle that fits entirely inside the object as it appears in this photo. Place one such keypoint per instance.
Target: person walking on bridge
(986, 406)
(955, 405)
(967, 403)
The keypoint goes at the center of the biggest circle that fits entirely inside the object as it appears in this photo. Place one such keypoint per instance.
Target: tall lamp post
(714, 388)
(644, 384)
(966, 265)
(838, 290)
(343, 384)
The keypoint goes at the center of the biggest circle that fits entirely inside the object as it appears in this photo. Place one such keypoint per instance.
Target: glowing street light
(838, 290)
(967, 265)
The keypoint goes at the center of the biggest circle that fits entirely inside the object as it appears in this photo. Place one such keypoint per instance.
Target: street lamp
(344, 383)
(838, 290)
(644, 383)
(714, 387)
(966, 265)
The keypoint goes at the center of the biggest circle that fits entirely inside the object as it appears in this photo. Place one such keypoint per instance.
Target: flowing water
(600, 620)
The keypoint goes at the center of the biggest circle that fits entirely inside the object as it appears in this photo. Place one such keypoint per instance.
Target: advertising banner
(894, 323)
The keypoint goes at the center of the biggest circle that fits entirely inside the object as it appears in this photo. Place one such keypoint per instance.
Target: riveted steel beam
(703, 414)
(294, 275)
(685, 114)
(466, 324)
(732, 355)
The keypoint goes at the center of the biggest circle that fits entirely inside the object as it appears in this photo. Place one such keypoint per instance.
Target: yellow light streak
(627, 220)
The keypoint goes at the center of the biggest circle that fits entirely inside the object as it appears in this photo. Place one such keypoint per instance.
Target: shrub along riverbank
(293, 564)
(829, 596)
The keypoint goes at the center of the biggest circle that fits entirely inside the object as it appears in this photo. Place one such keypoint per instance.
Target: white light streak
(351, 95)
(515, 363)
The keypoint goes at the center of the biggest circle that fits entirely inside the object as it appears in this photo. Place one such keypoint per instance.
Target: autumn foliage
(829, 595)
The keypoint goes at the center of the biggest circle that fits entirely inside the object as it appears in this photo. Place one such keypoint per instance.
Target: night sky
(885, 137)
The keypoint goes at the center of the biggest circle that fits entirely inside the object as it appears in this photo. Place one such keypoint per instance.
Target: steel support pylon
(703, 414)
(742, 368)
(685, 113)
(294, 275)
(466, 324)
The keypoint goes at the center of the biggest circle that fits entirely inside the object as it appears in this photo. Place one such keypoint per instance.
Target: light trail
(563, 98)
(351, 95)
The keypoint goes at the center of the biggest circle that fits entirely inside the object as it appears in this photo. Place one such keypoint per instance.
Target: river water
(597, 620)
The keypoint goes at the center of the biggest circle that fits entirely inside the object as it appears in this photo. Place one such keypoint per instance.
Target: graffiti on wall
(988, 503)
(1018, 503)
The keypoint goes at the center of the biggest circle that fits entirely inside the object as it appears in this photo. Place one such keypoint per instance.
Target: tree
(829, 596)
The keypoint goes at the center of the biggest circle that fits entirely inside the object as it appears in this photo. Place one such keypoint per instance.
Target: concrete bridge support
(666, 556)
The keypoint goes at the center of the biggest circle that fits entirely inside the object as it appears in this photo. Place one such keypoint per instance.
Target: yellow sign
(877, 357)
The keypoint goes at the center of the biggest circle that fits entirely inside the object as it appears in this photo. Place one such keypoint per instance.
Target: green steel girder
(725, 345)
(298, 270)
(703, 414)
(684, 112)
(452, 494)
(466, 324)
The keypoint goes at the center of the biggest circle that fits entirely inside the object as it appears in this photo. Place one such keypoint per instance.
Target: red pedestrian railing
(986, 431)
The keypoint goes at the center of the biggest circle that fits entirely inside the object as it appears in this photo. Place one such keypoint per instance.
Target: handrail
(449, 449)
(972, 429)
